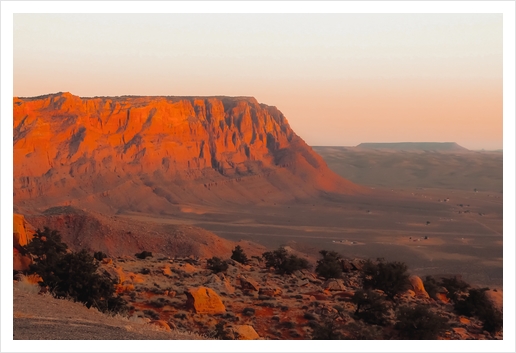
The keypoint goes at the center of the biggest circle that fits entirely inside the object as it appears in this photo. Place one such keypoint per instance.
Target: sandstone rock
(418, 287)
(231, 146)
(166, 271)
(270, 291)
(107, 261)
(20, 262)
(23, 232)
(220, 285)
(334, 285)
(245, 332)
(161, 323)
(204, 301)
(248, 284)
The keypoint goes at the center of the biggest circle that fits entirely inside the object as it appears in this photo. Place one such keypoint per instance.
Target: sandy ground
(41, 317)
(426, 228)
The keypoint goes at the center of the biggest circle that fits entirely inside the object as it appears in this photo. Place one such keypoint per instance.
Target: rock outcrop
(164, 150)
(204, 301)
(418, 287)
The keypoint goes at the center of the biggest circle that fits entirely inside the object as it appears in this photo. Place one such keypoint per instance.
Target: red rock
(245, 332)
(161, 323)
(249, 284)
(418, 287)
(204, 301)
(131, 152)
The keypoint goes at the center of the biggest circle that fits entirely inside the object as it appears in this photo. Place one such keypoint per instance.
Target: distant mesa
(138, 153)
(415, 146)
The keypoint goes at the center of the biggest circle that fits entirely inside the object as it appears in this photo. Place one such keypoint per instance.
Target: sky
(340, 79)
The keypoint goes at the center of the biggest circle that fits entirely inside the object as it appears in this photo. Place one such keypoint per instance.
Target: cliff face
(145, 153)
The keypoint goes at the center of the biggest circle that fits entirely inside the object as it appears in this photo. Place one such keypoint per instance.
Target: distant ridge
(415, 146)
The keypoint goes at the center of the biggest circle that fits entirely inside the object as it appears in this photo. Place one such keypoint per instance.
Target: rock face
(418, 287)
(245, 332)
(166, 150)
(204, 301)
(23, 233)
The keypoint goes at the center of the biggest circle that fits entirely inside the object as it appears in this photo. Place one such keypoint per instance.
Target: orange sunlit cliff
(146, 153)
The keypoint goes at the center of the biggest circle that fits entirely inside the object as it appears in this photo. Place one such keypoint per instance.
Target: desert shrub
(431, 286)
(143, 255)
(284, 263)
(329, 266)
(309, 316)
(99, 255)
(248, 311)
(476, 303)
(151, 314)
(390, 277)
(456, 287)
(72, 274)
(328, 329)
(217, 265)
(46, 248)
(371, 307)
(419, 323)
(287, 324)
(239, 255)
(220, 332)
(359, 331)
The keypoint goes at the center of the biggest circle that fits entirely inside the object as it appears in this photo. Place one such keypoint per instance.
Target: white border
(505, 7)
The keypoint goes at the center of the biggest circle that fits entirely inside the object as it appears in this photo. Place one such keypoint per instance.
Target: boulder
(245, 332)
(23, 232)
(249, 284)
(161, 323)
(270, 291)
(418, 287)
(219, 283)
(204, 301)
(334, 285)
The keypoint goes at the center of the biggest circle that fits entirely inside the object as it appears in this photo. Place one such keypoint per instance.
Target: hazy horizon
(340, 79)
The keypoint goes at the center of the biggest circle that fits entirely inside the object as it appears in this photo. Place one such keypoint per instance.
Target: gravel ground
(42, 317)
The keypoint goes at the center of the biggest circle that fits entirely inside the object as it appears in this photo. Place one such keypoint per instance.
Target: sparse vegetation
(284, 263)
(143, 255)
(476, 303)
(217, 265)
(371, 307)
(456, 287)
(239, 255)
(327, 330)
(72, 274)
(99, 255)
(390, 277)
(329, 266)
(419, 323)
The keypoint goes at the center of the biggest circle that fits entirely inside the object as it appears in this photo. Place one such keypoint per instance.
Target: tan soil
(42, 317)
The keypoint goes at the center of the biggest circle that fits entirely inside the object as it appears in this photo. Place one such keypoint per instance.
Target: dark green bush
(456, 287)
(217, 265)
(390, 277)
(284, 263)
(432, 286)
(476, 303)
(143, 255)
(327, 330)
(419, 323)
(371, 307)
(360, 331)
(72, 274)
(99, 255)
(220, 332)
(329, 266)
(239, 255)
(248, 311)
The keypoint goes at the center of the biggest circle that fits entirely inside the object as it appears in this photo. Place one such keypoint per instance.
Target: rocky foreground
(253, 302)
